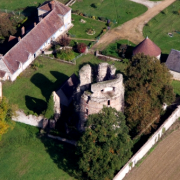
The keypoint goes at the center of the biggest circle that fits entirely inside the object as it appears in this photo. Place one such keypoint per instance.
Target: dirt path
(148, 4)
(133, 29)
(162, 164)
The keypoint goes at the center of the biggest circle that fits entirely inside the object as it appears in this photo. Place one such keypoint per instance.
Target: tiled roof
(61, 8)
(2, 73)
(148, 48)
(173, 60)
(11, 38)
(31, 42)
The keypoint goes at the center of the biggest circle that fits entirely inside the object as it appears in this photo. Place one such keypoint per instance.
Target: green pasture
(118, 11)
(165, 22)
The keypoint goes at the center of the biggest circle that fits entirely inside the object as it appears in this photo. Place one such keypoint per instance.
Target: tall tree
(147, 88)
(105, 145)
(6, 113)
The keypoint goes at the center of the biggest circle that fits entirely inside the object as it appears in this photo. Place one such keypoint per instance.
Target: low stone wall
(176, 75)
(107, 57)
(148, 145)
(70, 3)
(30, 119)
(48, 52)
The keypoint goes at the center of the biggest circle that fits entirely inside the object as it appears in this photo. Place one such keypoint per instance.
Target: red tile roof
(11, 38)
(61, 8)
(31, 42)
(148, 48)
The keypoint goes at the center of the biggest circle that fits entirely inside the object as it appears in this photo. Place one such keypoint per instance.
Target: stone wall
(30, 119)
(148, 145)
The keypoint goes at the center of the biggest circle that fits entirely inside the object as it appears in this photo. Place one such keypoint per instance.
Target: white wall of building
(176, 75)
(148, 145)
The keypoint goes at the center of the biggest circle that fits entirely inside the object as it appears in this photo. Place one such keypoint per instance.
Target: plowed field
(162, 164)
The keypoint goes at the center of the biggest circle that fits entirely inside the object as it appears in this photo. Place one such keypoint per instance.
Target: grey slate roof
(173, 61)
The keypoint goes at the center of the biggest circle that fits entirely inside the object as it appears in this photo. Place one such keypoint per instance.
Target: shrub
(66, 54)
(50, 108)
(104, 52)
(81, 47)
(64, 41)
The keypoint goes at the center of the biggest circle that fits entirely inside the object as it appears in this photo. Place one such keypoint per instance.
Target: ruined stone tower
(108, 91)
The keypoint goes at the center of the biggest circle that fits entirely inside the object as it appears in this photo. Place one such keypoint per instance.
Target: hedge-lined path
(133, 29)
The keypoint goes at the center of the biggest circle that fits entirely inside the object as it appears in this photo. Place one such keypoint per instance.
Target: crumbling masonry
(108, 90)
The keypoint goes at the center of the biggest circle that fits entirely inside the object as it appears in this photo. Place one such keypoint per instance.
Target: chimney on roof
(34, 24)
(19, 38)
(22, 31)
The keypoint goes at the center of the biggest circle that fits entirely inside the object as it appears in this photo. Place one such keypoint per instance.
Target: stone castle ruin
(107, 89)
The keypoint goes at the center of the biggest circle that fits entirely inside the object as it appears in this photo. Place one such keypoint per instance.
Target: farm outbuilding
(148, 47)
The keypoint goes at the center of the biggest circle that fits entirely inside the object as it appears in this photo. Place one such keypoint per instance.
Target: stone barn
(148, 47)
(107, 90)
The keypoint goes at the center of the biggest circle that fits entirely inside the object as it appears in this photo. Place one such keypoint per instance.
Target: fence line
(148, 145)
(73, 61)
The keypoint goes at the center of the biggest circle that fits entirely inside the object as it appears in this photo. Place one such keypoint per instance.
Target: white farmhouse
(54, 20)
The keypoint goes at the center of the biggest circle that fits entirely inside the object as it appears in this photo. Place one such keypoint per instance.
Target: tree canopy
(105, 146)
(6, 113)
(147, 88)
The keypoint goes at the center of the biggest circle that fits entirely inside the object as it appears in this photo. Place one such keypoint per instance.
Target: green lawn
(111, 50)
(31, 91)
(79, 29)
(118, 11)
(176, 87)
(165, 22)
(25, 156)
(20, 4)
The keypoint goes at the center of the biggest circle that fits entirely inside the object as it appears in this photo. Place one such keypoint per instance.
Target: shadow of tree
(35, 105)
(63, 155)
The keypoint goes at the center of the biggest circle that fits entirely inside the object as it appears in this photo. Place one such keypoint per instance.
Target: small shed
(148, 47)
(65, 92)
(173, 64)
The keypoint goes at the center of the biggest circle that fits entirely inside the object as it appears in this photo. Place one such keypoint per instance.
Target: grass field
(118, 11)
(79, 29)
(32, 89)
(165, 22)
(176, 87)
(20, 4)
(24, 155)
